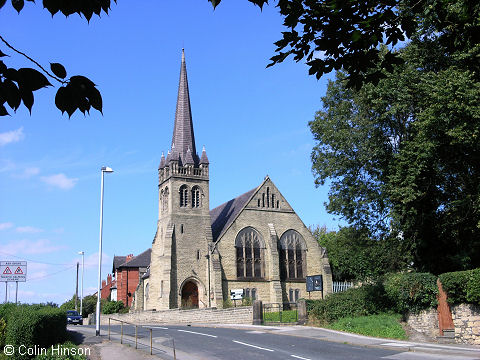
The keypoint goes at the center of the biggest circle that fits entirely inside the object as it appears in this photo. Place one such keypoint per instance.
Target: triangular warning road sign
(19, 271)
(7, 270)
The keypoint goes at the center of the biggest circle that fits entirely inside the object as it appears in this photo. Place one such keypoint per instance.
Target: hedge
(35, 325)
(365, 300)
(400, 292)
(462, 286)
(411, 292)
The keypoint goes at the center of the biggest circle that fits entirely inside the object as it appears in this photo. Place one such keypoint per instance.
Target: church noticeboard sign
(314, 283)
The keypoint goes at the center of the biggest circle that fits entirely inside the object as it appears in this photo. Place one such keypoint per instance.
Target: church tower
(179, 276)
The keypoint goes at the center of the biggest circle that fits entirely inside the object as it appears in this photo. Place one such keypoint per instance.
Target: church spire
(183, 137)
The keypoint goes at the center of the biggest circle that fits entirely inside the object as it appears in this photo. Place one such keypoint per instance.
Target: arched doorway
(189, 295)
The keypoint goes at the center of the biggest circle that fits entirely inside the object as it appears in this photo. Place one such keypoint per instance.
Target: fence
(339, 286)
(280, 313)
(127, 335)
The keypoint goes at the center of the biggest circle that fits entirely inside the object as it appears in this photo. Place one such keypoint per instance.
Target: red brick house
(126, 271)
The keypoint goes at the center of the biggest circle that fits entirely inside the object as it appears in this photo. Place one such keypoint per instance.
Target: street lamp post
(81, 291)
(105, 169)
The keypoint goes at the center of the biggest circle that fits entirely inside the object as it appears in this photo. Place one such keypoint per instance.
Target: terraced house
(254, 242)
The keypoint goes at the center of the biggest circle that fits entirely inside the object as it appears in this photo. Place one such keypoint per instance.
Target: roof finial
(183, 55)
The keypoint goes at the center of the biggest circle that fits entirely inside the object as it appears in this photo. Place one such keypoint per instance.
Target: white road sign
(13, 271)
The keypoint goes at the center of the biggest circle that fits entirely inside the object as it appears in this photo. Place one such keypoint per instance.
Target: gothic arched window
(249, 247)
(293, 260)
(196, 193)
(183, 196)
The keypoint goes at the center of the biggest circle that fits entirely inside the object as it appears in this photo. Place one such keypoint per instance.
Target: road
(214, 343)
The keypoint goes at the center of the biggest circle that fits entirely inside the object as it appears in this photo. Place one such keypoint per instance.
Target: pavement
(103, 349)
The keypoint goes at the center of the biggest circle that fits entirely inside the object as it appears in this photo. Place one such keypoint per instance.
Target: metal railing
(136, 335)
(339, 286)
(280, 313)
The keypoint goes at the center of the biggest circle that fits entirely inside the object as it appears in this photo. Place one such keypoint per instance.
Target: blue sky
(252, 121)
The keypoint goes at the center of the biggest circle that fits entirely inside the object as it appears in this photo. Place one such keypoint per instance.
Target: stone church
(255, 242)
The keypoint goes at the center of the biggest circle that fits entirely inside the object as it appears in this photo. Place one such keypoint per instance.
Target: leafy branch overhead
(17, 86)
(347, 34)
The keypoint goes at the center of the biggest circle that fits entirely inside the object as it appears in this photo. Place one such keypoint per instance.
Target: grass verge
(287, 316)
(381, 325)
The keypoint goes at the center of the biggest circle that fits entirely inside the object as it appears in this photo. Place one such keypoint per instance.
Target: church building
(255, 242)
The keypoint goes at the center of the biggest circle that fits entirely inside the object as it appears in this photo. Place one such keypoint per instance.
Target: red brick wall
(126, 276)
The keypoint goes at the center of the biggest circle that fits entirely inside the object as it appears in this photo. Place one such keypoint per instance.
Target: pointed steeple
(204, 158)
(162, 161)
(183, 137)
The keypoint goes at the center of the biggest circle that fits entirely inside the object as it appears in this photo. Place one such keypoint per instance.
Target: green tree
(353, 255)
(403, 156)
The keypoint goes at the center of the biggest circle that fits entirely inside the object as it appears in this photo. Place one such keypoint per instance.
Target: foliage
(354, 302)
(18, 85)
(112, 307)
(353, 255)
(381, 325)
(3, 332)
(462, 286)
(35, 325)
(454, 284)
(227, 304)
(89, 304)
(402, 157)
(411, 292)
(246, 301)
(473, 287)
(337, 34)
(70, 350)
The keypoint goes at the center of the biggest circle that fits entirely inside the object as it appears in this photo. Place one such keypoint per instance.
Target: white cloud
(11, 136)
(4, 226)
(28, 229)
(60, 180)
(42, 246)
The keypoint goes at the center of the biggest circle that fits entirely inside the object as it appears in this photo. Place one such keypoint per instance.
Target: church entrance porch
(190, 295)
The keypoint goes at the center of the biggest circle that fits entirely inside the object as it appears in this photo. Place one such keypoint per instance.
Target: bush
(462, 286)
(35, 325)
(454, 284)
(365, 300)
(473, 287)
(112, 307)
(411, 292)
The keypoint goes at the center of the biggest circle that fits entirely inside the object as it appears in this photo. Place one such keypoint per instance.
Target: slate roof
(117, 261)
(223, 216)
(183, 136)
(141, 260)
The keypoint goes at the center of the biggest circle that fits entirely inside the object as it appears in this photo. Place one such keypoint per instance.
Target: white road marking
(158, 327)
(193, 332)
(299, 357)
(255, 332)
(254, 346)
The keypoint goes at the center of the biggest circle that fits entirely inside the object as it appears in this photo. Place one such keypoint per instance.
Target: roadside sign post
(13, 271)
(314, 283)
(236, 294)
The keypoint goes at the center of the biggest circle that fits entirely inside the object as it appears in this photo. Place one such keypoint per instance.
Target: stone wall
(425, 322)
(466, 318)
(239, 315)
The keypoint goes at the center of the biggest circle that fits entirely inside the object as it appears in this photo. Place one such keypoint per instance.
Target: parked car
(74, 318)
